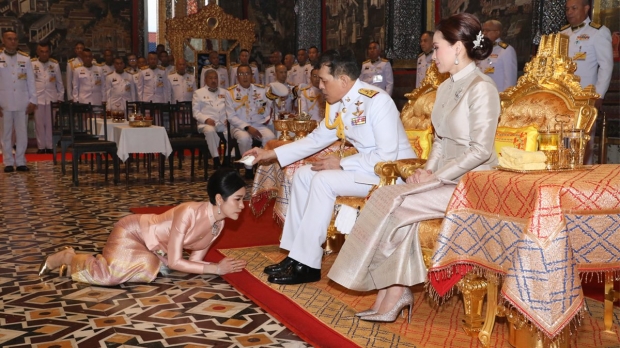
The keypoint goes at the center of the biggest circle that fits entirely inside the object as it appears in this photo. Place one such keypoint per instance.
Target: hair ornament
(478, 41)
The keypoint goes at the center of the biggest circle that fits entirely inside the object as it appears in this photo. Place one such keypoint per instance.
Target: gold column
(474, 289)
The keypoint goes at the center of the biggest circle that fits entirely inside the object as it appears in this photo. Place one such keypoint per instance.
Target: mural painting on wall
(515, 16)
(354, 24)
(99, 24)
(275, 28)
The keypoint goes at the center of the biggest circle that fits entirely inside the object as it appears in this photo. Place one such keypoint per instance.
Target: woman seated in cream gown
(141, 245)
(383, 252)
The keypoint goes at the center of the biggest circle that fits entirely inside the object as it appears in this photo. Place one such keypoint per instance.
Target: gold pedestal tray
(141, 123)
(302, 128)
(283, 127)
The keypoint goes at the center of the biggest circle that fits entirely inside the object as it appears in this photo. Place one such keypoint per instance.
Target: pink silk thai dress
(139, 244)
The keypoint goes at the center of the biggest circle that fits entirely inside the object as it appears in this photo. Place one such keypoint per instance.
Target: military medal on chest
(359, 118)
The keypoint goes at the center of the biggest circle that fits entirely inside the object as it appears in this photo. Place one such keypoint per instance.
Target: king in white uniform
(18, 98)
(209, 109)
(48, 82)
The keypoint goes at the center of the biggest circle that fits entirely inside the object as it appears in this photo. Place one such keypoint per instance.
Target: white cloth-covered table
(152, 139)
(109, 125)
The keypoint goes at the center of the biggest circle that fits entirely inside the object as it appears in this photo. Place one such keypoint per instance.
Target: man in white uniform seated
(311, 97)
(209, 108)
(370, 121)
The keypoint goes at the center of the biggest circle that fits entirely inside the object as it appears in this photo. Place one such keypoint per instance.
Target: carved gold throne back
(416, 113)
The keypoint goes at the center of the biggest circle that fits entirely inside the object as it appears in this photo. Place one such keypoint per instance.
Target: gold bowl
(283, 126)
(302, 128)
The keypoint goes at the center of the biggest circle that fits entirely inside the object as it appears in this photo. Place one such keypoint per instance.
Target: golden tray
(543, 171)
(142, 123)
(118, 120)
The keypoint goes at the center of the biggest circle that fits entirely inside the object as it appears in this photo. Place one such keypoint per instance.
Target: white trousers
(245, 139)
(18, 121)
(310, 209)
(213, 140)
(43, 126)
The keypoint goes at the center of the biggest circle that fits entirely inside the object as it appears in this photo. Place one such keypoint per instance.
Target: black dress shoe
(280, 267)
(50, 151)
(9, 169)
(298, 274)
(22, 169)
(40, 151)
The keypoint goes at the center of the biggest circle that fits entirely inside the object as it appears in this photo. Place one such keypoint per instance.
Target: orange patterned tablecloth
(538, 231)
(274, 182)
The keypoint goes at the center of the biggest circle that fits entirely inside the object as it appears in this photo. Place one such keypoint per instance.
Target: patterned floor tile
(43, 212)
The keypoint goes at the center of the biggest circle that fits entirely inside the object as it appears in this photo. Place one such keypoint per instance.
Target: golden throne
(549, 92)
(416, 118)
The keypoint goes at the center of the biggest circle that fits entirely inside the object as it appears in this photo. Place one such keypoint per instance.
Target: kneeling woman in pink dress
(142, 244)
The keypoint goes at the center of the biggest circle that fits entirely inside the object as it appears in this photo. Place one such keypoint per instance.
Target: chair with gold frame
(549, 92)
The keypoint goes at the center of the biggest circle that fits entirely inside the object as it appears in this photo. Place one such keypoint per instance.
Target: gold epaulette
(368, 92)
(144, 67)
(99, 64)
(253, 64)
(172, 73)
(110, 73)
(296, 64)
(53, 60)
(503, 45)
(70, 60)
(78, 65)
(259, 86)
(34, 59)
(595, 25)
(23, 54)
(385, 60)
(366, 61)
(232, 87)
(421, 54)
(234, 65)
(566, 27)
(161, 67)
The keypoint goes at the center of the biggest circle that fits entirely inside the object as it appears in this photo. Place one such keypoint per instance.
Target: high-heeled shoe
(44, 268)
(365, 313)
(405, 300)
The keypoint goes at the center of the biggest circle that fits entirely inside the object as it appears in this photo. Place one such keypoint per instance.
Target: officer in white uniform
(18, 98)
(88, 81)
(73, 64)
(377, 71)
(107, 67)
(132, 67)
(311, 98)
(371, 123)
(249, 111)
(283, 104)
(302, 60)
(295, 75)
(589, 45)
(244, 58)
(152, 82)
(270, 71)
(209, 109)
(425, 58)
(48, 82)
(119, 87)
(222, 72)
(164, 60)
(501, 65)
(182, 84)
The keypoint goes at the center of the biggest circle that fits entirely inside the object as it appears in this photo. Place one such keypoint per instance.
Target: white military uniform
(248, 107)
(284, 104)
(378, 73)
(233, 74)
(48, 83)
(501, 65)
(17, 90)
(170, 69)
(307, 68)
(590, 47)
(106, 69)
(88, 85)
(72, 64)
(182, 87)
(312, 101)
(222, 75)
(296, 76)
(119, 89)
(424, 62)
(210, 105)
(153, 85)
(270, 74)
(372, 125)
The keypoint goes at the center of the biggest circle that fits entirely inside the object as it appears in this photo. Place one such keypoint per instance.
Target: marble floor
(42, 212)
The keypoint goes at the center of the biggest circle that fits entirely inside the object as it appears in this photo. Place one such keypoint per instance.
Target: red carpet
(33, 157)
(249, 231)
